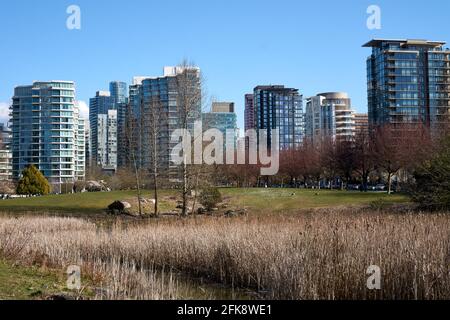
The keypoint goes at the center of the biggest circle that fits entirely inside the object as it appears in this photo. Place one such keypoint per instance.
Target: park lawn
(79, 203)
(255, 200)
(288, 200)
(27, 283)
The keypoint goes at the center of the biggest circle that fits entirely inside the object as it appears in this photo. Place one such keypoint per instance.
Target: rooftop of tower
(406, 42)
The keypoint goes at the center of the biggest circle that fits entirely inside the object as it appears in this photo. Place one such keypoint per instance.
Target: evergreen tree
(33, 182)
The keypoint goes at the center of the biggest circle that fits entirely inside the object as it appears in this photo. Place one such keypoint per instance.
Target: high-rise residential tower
(5, 153)
(80, 139)
(249, 113)
(47, 132)
(277, 107)
(107, 140)
(223, 118)
(160, 102)
(329, 115)
(128, 135)
(119, 91)
(222, 107)
(99, 107)
(408, 83)
(361, 122)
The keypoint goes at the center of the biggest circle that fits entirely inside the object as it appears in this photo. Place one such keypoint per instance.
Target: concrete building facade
(330, 115)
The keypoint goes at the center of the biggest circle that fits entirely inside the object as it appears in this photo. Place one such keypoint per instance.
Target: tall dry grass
(323, 255)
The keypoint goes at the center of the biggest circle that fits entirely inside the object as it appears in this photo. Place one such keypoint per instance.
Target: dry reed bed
(323, 255)
(55, 242)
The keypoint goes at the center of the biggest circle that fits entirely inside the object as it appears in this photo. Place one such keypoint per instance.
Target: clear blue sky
(311, 45)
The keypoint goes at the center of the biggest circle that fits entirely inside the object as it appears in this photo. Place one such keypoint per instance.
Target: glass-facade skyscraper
(48, 132)
(249, 112)
(222, 117)
(119, 91)
(99, 106)
(408, 83)
(277, 107)
(162, 97)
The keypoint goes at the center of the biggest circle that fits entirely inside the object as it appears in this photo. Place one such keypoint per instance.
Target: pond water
(204, 289)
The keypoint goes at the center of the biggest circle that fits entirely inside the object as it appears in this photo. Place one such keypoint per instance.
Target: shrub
(210, 197)
(378, 205)
(432, 180)
(33, 182)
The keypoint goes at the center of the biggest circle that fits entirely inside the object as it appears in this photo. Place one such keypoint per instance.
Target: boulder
(148, 201)
(242, 212)
(235, 213)
(179, 205)
(93, 186)
(120, 207)
(230, 213)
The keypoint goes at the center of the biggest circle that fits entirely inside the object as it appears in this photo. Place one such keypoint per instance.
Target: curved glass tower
(47, 132)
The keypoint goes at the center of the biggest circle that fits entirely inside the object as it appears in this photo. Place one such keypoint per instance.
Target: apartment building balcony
(344, 115)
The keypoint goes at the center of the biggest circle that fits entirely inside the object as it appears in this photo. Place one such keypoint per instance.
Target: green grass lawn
(25, 283)
(256, 200)
(89, 203)
(286, 200)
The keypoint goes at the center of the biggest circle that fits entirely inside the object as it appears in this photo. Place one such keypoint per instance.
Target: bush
(378, 205)
(33, 182)
(210, 197)
(79, 186)
(432, 180)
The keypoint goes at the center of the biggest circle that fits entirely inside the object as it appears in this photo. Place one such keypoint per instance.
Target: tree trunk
(365, 181)
(155, 193)
(155, 172)
(184, 212)
(389, 183)
(138, 187)
(196, 193)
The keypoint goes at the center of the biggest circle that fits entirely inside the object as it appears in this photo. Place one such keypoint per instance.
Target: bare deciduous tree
(155, 119)
(388, 151)
(132, 144)
(189, 105)
(364, 159)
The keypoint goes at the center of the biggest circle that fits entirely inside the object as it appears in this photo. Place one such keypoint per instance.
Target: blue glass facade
(221, 121)
(408, 83)
(167, 94)
(277, 107)
(99, 105)
(119, 91)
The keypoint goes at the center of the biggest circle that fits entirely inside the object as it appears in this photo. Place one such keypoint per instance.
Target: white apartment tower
(330, 115)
